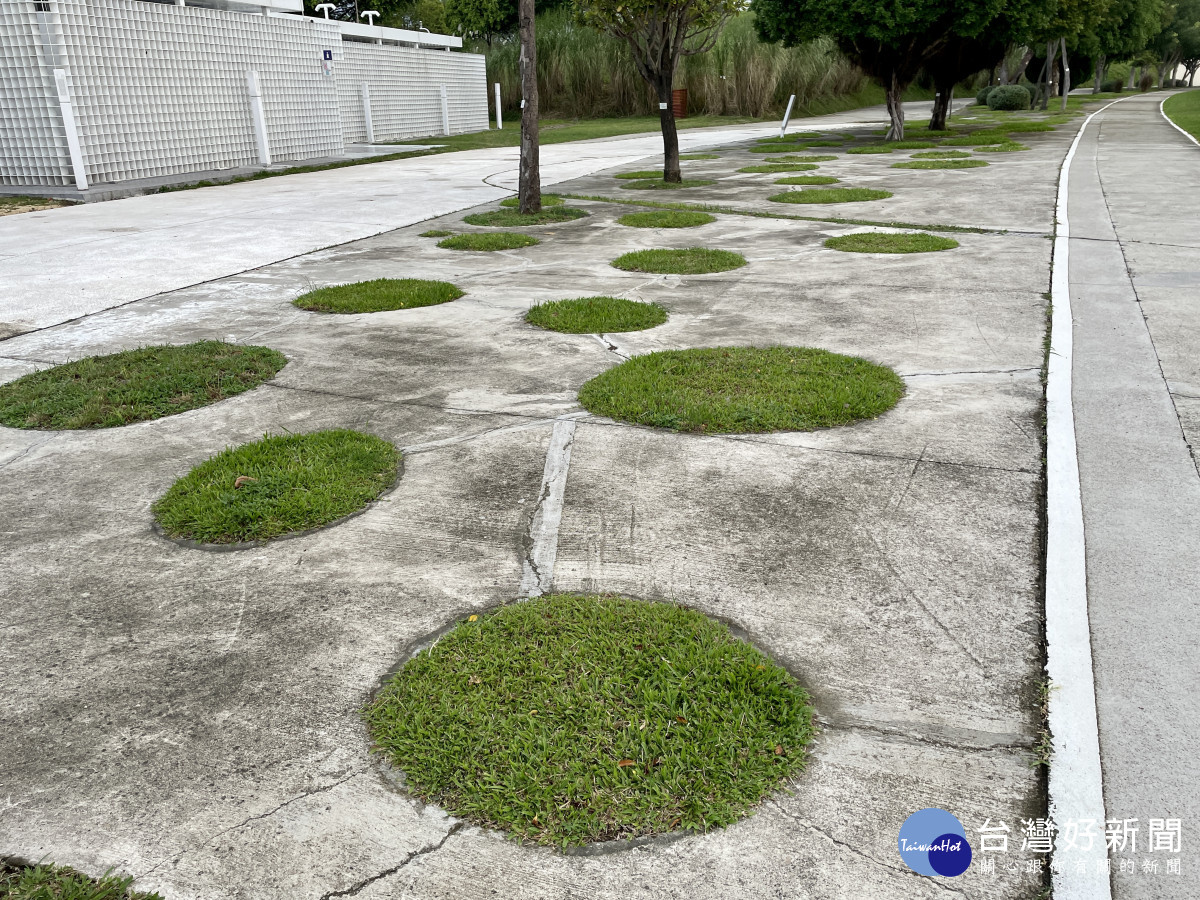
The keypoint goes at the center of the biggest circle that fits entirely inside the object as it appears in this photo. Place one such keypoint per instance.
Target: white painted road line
(542, 548)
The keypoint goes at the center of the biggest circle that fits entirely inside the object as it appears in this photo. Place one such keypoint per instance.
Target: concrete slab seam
(1162, 112)
(1076, 779)
(541, 544)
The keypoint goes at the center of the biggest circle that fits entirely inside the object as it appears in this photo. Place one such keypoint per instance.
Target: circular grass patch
(741, 390)
(135, 385)
(872, 148)
(941, 164)
(276, 486)
(499, 240)
(659, 184)
(1004, 147)
(830, 195)
(686, 156)
(510, 218)
(778, 167)
(666, 218)
(691, 261)
(596, 315)
(883, 242)
(435, 232)
(547, 200)
(807, 179)
(643, 173)
(942, 154)
(379, 295)
(570, 719)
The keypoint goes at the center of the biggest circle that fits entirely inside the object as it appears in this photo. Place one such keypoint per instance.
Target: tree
(1124, 29)
(529, 184)
(659, 33)
(959, 58)
(1176, 37)
(890, 40)
(482, 19)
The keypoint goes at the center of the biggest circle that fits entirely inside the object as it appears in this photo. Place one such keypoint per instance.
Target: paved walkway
(61, 264)
(1135, 293)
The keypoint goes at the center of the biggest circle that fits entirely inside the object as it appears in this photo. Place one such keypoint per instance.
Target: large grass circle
(780, 167)
(740, 390)
(659, 184)
(596, 315)
(510, 218)
(941, 164)
(379, 295)
(807, 179)
(886, 242)
(571, 719)
(691, 261)
(830, 195)
(547, 200)
(278, 485)
(488, 241)
(135, 386)
(666, 218)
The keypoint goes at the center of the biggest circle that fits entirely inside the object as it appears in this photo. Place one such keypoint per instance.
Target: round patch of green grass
(831, 195)
(509, 218)
(435, 232)
(884, 242)
(781, 147)
(977, 138)
(596, 315)
(547, 200)
(942, 154)
(912, 145)
(807, 179)
(135, 385)
(808, 144)
(778, 167)
(488, 242)
(741, 390)
(687, 156)
(690, 261)
(804, 158)
(1005, 147)
(666, 218)
(570, 719)
(941, 164)
(640, 174)
(648, 185)
(379, 295)
(278, 485)
(872, 148)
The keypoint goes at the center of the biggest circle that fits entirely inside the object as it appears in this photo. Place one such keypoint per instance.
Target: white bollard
(259, 118)
(366, 102)
(499, 118)
(787, 115)
(69, 126)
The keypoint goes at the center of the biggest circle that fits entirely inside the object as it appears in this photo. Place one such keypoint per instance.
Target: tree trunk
(1028, 55)
(1132, 75)
(1051, 73)
(895, 108)
(530, 180)
(1099, 80)
(670, 136)
(941, 106)
(1191, 76)
(1066, 75)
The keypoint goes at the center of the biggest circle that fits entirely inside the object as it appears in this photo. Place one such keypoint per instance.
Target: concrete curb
(1076, 781)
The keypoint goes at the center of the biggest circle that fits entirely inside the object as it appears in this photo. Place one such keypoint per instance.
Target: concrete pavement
(1135, 282)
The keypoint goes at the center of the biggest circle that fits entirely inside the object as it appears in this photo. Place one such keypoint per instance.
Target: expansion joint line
(540, 542)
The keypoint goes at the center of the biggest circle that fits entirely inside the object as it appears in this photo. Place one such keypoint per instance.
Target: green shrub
(1146, 82)
(981, 98)
(1113, 86)
(1009, 96)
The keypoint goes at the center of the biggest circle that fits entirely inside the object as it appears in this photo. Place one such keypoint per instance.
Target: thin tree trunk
(895, 108)
(670, 136)
(1066, 75)
(1191, 77)
(530, 179)
(1132, 75)
(941, 106)
(1051, 73)
(1099, 79)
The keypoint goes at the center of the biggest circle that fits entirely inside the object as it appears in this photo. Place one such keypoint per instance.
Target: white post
(445, 110)
(499, 118)
(366, 101)
(787, 115)
(69, 126)
(259, 118)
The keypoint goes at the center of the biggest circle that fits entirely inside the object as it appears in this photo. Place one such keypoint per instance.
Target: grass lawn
(10, 206)
(873, 148)
(547, 200)
(831, 195)
(135, 386)
(659, 184)
(1003, 147)
(883, 242)
(683, 157)
(278, 485)
(509, 218)
(1184, 110)
(742, 390)
(941, 164)
(642, 173)
(692, 261)
(380, 295)
(779, 167)
(596, 315)
(499, 240)
(807, 179)
(570, 719)
(46, 882)
(942, 154)
(666, 218)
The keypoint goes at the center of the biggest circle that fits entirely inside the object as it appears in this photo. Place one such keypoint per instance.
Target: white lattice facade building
(107, 91)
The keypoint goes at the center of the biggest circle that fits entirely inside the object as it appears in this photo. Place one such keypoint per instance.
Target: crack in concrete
(943, 743)
(357, 887)
(839, 843)
(971, 372)
(20, 456)
(609, 345)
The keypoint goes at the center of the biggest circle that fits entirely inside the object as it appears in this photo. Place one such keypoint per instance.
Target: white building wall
(161, 90)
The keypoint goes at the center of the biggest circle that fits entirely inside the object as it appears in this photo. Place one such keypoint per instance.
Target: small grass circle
(510, 218)
(659, 184)
(1005, 147)
(883, 242)
(830, 195)
(435, 232)
(666, 218)
(779, 167)
(596, 315)
(547, 200)
(278, 485)
(807, 179)
(872, 148)
(642, 173)
(941, 164)
(742, 390)
(570, 719)
(488, 242)
(135, 385)
(691, 261)
(688, 156)
(942, 154)
(379, 295)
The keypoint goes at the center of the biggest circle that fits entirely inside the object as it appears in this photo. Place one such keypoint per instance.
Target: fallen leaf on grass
(624, 763)
(242, 479)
